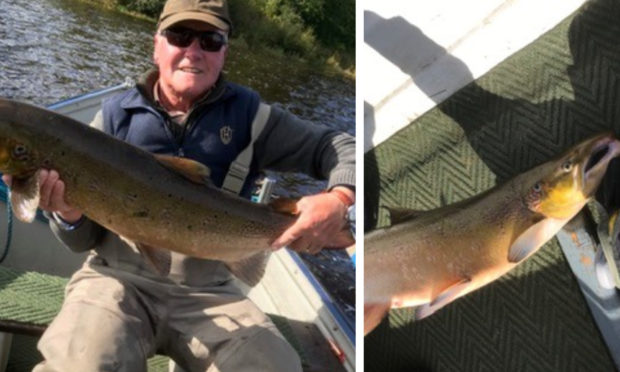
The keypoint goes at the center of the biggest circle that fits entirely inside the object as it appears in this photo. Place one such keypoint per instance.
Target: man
(118, 310)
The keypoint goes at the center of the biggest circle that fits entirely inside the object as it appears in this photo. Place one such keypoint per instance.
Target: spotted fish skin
(152, 200)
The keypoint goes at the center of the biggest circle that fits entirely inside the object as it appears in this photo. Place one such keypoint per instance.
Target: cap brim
(194, 16)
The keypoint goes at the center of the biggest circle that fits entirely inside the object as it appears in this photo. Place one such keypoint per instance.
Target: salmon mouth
(595, 167)
(598, 155)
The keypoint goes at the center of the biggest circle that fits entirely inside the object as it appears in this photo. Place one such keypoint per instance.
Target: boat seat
(30, 300)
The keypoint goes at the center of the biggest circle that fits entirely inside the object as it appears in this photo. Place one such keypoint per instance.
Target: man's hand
(52, 195)
(321, 216)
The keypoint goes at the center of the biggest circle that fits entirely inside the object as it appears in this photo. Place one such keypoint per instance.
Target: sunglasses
(210, 41)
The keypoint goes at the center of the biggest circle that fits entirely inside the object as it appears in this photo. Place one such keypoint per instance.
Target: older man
(118, 310)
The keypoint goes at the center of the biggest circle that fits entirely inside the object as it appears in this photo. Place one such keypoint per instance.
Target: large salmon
(428, 259)
(147, 199)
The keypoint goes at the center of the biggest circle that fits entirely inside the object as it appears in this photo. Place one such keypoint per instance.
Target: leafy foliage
(151, 8)
(305, 28)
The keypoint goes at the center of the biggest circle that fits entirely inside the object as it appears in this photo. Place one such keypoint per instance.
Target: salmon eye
(534, 197)
(20, 151)
(567, 166)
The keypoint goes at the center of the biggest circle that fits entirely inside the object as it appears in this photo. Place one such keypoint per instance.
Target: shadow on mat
(565, 101)
(521, 322)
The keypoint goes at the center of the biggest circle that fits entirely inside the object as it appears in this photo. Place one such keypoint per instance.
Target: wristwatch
(350, 217)
(350, 204)
(64, 225)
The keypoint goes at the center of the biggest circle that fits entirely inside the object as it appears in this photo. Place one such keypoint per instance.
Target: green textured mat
(555, 92)
(29, 297)
(34, 299)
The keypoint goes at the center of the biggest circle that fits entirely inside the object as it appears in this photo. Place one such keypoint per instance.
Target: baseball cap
(213, 12)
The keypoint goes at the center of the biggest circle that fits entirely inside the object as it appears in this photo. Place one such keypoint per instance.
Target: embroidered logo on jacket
(226, 134)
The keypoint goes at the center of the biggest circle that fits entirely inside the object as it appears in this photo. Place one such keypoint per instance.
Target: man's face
(188, 72)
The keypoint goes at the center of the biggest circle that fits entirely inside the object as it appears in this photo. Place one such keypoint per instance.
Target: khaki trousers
(112, 320)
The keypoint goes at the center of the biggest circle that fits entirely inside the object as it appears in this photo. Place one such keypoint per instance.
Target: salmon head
(572, 178)
(18, 157)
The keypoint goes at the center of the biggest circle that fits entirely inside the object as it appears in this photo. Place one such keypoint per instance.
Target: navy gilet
(218, 130)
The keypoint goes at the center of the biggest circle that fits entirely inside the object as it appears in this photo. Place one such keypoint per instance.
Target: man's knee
(85, 337)
(267, 350)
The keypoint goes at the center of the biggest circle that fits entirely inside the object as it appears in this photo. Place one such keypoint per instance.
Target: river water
(55, 49)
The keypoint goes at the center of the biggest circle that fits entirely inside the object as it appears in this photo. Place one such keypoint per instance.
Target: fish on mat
(154, 201)
(428, 259)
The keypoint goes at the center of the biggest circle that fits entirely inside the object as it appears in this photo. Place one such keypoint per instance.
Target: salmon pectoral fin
(252, 269)
(534, 237)
(373, 315)
(188, 168)
(24, 196)
(444, 298)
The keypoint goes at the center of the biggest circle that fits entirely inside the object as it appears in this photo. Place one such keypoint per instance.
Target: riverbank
(275, 27)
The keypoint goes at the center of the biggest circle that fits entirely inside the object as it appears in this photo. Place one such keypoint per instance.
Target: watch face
(351, 219)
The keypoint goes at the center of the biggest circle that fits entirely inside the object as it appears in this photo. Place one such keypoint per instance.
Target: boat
(461, 98)
(289, 293)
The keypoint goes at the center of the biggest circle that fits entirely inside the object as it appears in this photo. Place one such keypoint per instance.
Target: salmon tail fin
(252, 269)
(373, 315)
(24, 196)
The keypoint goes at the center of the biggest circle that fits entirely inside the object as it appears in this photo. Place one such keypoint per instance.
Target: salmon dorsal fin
(188, 168)
(24, 195)
(399, 215)
(284, 205)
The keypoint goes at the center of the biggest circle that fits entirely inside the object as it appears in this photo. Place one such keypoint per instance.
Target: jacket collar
(143, 96)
